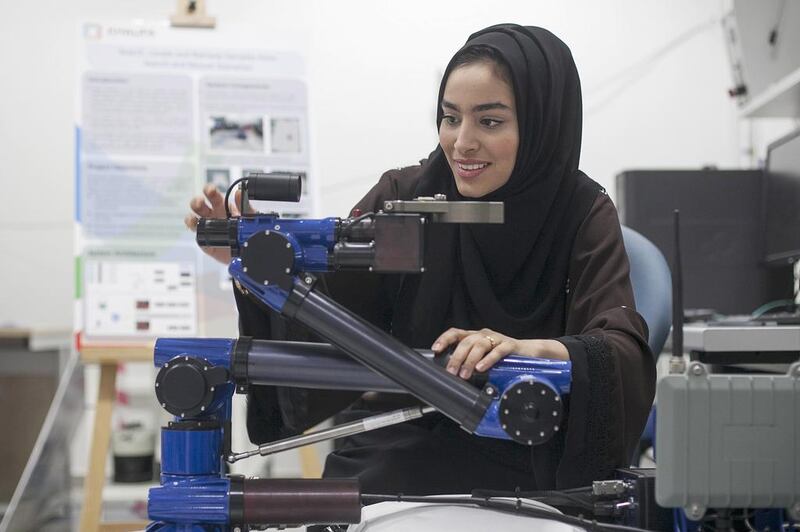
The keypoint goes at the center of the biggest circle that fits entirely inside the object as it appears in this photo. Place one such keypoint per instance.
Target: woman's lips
(470, 169)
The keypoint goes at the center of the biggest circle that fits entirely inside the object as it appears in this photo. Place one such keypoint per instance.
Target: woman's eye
(449, 120)
(491, 122)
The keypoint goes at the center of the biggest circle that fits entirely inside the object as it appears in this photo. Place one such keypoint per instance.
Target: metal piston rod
(347, 429)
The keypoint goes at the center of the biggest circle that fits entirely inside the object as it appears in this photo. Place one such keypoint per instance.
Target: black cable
(515, 507)
(543, 496)
(228, 196)
(354, 221)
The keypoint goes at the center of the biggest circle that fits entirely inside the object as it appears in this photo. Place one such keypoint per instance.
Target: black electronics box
(644, 512)
(722, 247)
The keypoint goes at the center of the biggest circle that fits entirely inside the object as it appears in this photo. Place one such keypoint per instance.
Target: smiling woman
(478, 132)
(552, 282)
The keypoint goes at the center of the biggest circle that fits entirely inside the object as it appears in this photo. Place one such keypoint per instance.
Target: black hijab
(511, 278)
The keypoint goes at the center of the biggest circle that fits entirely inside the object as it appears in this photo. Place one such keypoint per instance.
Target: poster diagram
(160, 114)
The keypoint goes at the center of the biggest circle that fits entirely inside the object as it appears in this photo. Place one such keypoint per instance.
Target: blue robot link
(274, 262)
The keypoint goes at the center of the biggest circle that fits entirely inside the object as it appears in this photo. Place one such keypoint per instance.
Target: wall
(654, 74)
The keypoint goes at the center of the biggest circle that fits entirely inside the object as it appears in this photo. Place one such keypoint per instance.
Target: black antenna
(677, 292)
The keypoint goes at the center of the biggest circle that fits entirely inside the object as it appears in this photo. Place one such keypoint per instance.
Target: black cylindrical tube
(216, 232)
(311, 365)
(386, 355)
(275, 501)
(274, 187)
(353, 255)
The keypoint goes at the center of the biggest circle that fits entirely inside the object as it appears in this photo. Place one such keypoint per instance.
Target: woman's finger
(460, 353)
(495, 355)
(450, 336)
(475, 355)
(237, 200)
(200, 208)
(191, 222)
(216, 200)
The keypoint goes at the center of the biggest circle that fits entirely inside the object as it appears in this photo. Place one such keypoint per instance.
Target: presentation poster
(162, 112)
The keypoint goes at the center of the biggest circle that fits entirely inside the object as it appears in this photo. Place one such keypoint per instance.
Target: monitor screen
(782, 200)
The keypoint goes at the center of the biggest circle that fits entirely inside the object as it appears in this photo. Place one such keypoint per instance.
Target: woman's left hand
(480, 350)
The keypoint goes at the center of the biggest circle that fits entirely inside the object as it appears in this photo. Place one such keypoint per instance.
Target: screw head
(288, 245)
(277, 227)
(697, 369)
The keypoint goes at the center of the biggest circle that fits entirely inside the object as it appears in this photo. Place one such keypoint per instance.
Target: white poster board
(161, 112)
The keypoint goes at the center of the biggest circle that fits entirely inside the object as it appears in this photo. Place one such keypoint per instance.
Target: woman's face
(478, 132)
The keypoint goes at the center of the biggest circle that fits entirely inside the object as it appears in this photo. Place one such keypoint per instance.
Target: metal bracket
(454, 212)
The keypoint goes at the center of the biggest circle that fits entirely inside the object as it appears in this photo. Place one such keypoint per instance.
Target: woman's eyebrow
(477, 108)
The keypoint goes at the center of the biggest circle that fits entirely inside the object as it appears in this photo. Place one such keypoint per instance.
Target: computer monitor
(721, 226)
(781, 196)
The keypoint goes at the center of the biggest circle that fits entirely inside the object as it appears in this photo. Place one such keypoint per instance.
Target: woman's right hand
(211, 205)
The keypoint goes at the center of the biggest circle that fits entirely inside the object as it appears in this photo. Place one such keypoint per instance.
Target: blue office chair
(652, 286)
(652, 291)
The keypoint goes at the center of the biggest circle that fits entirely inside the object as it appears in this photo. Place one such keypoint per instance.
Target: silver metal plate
(454, 212)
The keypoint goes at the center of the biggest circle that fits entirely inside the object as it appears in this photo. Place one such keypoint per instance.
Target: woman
(552, 281)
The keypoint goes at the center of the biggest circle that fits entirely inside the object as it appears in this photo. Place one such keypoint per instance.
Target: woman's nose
(466, 140)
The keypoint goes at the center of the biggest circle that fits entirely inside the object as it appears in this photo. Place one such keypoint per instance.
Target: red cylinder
(276, 501)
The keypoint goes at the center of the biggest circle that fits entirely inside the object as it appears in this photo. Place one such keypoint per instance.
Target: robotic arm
(274, 262)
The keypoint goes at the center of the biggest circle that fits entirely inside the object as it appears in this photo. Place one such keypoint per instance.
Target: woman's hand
(480, 350)
(211, 206)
